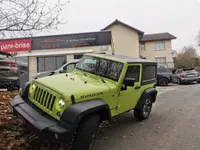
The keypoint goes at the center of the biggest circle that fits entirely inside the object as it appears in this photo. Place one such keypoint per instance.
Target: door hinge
(137, 87)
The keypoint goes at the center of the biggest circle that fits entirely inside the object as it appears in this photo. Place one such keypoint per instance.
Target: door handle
(137, 87)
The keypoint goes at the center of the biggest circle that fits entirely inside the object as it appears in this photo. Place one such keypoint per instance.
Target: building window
(162, 61)
(162, 70)
(143, 47)
(78, 56)
(50, 63)
(159, 46)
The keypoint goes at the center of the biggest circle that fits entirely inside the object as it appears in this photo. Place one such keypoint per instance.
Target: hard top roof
(122, 58)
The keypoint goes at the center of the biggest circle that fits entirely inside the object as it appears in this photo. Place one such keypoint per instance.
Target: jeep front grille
(44, 98)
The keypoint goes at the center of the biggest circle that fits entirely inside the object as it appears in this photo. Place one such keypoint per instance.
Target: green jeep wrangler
(68, 107)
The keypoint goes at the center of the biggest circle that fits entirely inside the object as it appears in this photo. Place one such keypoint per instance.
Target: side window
(162, 70)
(69, 68)
(133, 72)
(149, 72)
(178, 71)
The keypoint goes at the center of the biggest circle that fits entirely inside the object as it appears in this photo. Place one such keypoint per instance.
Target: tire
(86, 132)
(179, 82)
(144, 112)
(163, 82)
(198, 81)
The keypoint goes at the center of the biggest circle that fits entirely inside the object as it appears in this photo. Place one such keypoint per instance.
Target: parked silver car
(68, 67)
(186, 76)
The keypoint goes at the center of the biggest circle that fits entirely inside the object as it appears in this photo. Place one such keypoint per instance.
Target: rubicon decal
(15, 45)
(92, 95)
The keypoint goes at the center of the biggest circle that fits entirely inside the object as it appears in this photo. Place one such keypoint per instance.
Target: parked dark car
(68, 67)
(9, 72)
(186, 75)
(164, 76)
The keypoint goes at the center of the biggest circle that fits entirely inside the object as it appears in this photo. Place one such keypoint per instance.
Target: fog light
(58, 114)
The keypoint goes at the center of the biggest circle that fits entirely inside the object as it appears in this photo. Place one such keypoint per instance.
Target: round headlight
(33, 86)
(61, 103)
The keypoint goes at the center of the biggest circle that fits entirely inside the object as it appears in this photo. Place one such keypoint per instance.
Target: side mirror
(129, 82)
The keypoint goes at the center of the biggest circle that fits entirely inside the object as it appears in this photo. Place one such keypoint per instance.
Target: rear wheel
(86, 132)
(144, 112)
(163, 82)
(198, 81)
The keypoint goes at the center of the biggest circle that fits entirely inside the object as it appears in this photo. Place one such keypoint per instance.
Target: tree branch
(27, 16)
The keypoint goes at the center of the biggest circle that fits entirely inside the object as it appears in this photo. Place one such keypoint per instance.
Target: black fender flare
(24, 91)
(74, 113)
(150, 91)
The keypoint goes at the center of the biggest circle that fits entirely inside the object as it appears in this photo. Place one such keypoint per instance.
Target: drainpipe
(140, 37)
(112, 44)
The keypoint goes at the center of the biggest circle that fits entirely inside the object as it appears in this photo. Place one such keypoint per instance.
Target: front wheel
(144, 112)
(163, 82)
(86, 132)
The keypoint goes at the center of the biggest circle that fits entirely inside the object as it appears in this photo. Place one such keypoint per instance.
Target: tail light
(199, 74)
(13, 64)
(182, 76)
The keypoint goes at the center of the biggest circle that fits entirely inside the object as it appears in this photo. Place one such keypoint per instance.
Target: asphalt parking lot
(173, 125)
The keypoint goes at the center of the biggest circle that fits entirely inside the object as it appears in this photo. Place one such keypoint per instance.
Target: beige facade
(149, 51)
(130, 41)
(125, 41)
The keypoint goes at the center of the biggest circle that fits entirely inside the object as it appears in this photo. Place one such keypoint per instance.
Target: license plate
(190, 75)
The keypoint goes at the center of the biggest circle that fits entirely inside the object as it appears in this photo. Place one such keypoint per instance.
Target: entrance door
(128, 98)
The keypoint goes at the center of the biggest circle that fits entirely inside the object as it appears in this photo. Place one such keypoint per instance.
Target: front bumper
(190, 79)
(40, 124)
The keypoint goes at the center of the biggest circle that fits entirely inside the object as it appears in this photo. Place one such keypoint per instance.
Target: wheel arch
(76, 112)
(163, 77)
(148, 92)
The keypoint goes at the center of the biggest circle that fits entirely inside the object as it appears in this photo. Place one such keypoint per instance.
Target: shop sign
(15, 45)
(72, 40)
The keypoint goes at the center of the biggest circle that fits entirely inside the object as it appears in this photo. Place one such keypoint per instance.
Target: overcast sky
(181, 18)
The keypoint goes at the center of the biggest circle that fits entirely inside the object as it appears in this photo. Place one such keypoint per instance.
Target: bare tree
(190, 49)
(186, 58)
(24, 17)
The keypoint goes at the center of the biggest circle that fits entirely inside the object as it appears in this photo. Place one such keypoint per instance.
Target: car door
(128, 97)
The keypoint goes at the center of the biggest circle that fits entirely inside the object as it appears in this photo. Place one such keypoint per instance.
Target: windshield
(100, 66)
(189, 71)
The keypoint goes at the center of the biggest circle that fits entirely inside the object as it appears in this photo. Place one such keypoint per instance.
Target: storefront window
(78, 56)
(50, 63)
(60, 61)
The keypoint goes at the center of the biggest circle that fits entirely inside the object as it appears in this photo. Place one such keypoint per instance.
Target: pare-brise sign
(15, 45)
